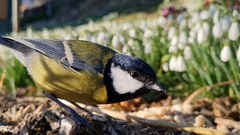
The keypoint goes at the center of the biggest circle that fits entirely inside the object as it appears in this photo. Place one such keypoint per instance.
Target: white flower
(204, 14)
(171, 32)
(181, 46)
(102, 37)
(125, 49)
(201, 36)
(195, 18)
(131, 42)
(196, 27)
(172, 63)
(190, 23)
(212, 9)
(93, 39)
(174, 41)
(67, 36)
(115, 42)
(180, 64)
(233, 33)
(89, 37)
(45, 34)
(225, 54)
(143, 25)
(192, 34)
(126, 26)
(162, 21)
(170, 18)
(191, 40)
(147, 48)
(206, 28)
(165, 67)
(183, 24)
(180, 17)
(217, 30)
(121, 39)
(132, 33)
(183, 39)
(215, 17)
(172, 49)
(225, 23)
(148, 33)
(234, 13)
(187, 53)
(238, 54)
(29, 32)
(5, 53)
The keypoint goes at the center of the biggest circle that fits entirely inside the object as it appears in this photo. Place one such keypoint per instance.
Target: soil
(39, 115)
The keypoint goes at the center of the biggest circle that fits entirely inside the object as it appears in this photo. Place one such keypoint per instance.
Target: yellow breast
(82, 87)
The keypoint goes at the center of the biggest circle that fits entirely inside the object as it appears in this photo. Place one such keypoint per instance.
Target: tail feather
(20, 51)
(4, 42)
(14, 45)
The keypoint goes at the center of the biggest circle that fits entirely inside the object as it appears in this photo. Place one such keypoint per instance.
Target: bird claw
(70, 125)
(76, 118)
(74, 124)
(79, 120)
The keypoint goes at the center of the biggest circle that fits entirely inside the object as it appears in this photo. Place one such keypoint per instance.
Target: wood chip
(41, 107)
(199, 121)
(227, 122)
(28, 109)
(67, 126)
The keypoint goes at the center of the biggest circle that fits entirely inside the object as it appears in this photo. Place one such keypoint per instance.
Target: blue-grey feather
(53, 49)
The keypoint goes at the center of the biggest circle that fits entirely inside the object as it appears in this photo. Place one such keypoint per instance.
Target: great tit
(82, 71)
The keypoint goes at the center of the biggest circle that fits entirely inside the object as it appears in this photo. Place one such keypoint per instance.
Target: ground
(39, 115)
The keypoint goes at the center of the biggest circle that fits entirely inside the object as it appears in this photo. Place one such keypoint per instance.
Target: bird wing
(76, 55)
(78, 52)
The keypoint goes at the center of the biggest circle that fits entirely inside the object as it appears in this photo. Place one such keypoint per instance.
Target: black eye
(134, 74)
(149, 83)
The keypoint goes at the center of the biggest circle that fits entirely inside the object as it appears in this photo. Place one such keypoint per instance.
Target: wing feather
(75, 55)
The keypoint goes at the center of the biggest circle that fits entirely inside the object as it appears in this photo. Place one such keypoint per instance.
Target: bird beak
(157, 87)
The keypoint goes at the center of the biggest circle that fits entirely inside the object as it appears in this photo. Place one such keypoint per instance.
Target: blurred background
(190, 44)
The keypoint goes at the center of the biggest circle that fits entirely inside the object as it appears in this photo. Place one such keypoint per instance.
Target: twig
(3, 74)
(200, 90)
(157, 123)
(165, 124)
(220, 106)
(2, 78)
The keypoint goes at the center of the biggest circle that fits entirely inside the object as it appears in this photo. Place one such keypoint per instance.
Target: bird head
(127, 77)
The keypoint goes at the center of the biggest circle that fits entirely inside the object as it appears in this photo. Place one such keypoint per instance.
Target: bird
(82, 71)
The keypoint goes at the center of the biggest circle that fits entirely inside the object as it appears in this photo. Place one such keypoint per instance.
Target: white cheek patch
(123, 82)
